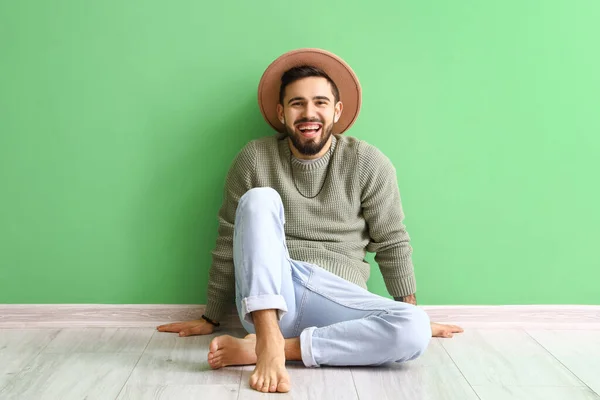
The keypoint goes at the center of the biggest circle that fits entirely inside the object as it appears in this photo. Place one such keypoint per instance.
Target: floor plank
(578, 350)
(498, 392)
(173, 360)
(71, 376)
(101, 340)
(21, 340)
(432, 376)
(19, 347)
(307, 383)
(179, 392)
(506, 357)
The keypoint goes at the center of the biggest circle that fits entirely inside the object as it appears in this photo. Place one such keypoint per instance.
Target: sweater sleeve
(382, 209)
(221, 280)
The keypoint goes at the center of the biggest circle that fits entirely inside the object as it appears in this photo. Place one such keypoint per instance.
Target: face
(308, 112)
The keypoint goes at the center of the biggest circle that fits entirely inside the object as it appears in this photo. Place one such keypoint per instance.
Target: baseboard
(519, 316)
(151, 315)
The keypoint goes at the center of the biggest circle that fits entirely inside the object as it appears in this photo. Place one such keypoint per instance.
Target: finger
(170, 327)
(165, 329)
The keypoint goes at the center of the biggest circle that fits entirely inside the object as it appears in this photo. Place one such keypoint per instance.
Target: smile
(309, 130)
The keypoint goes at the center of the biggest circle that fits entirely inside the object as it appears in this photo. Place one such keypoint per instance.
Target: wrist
(209, 321)
(411, 299)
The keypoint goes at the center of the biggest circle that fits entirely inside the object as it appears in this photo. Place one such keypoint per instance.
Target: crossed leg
(326, 320)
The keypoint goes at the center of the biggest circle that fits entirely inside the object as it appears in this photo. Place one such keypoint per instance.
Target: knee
(258, 199)
(414, 335)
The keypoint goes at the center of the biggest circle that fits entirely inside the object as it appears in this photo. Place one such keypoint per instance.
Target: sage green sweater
(358, 210)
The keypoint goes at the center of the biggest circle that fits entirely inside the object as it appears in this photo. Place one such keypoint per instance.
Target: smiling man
(300, 211)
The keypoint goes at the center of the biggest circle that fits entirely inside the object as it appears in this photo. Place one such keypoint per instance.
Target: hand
(411, 299)
(188, 328)
(444, 331)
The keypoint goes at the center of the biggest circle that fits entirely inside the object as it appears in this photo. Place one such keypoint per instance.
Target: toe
(214, 345)
(258, 383)
(283, 386)
(265, 386)
(218, 355)
(253, 381)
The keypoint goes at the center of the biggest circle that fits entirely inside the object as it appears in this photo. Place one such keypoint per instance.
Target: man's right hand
(188, 328)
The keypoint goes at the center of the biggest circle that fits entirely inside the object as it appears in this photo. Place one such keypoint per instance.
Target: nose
(310, 111)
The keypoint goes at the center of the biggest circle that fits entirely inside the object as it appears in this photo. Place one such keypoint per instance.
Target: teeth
(309, 128)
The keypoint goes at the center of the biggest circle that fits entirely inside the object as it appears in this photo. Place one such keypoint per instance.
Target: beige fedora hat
(337, 69)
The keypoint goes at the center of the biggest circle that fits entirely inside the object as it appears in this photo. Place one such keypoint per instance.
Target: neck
(301, 156)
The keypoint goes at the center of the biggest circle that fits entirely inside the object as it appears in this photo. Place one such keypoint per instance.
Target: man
(300, 210)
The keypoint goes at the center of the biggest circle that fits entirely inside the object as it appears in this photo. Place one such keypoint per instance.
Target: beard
(309, 147)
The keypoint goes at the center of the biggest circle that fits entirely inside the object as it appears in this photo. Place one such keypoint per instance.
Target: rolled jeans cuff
(306, 347)
(263, 302)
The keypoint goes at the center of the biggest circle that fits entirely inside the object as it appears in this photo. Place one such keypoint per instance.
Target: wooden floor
(141, 363)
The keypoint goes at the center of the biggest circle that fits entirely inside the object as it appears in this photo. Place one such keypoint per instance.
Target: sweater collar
(298, 165)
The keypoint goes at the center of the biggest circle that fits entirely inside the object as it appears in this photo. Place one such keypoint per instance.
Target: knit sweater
(357, 211)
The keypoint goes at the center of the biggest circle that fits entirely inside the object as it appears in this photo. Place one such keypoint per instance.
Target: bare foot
(227, 350)
(444, 331)
(270, 374)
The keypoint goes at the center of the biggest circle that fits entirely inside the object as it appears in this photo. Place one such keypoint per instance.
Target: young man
(300, 210)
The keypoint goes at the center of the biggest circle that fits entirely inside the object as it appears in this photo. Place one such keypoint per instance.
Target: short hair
(305, 71)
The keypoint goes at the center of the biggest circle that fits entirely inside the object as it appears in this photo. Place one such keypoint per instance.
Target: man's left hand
(444, 331)
(411, 299)
(437, 330)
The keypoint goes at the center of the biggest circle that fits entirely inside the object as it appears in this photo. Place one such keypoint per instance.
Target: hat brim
(337, 69)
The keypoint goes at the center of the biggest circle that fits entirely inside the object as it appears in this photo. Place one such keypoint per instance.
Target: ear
(280, 115)
(338, 111)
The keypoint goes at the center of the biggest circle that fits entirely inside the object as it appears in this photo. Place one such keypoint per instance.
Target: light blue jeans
(338, 322)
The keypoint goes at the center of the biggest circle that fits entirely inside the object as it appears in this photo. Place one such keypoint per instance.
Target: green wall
(118, 121)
